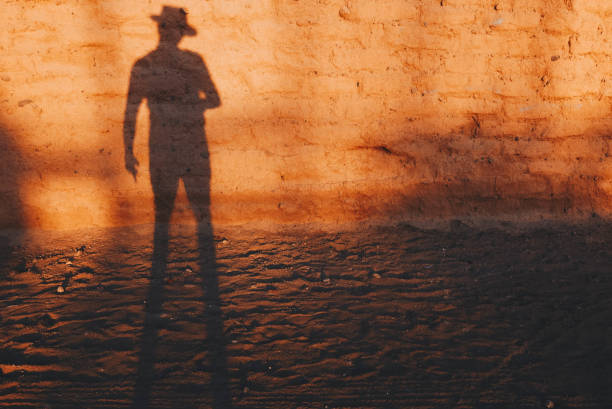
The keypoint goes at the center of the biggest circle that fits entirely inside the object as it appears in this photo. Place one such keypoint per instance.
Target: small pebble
(48, 320)
(327, 280)
(344, 12)
(225, 241)
(376, 275)
(188, 270)
(550, 404)
(60, 289)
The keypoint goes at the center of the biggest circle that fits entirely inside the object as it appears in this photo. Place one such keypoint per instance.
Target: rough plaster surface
(332, 111)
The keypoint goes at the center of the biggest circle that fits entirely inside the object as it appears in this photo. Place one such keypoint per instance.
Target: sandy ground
(382, 318)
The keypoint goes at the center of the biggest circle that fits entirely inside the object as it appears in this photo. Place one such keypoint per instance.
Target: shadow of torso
(172, 81)
(178, 90)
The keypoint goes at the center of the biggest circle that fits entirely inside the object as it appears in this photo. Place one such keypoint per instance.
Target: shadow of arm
(212, 99)
(134, 99)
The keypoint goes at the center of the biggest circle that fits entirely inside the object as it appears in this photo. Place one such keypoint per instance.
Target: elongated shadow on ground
(178, 90)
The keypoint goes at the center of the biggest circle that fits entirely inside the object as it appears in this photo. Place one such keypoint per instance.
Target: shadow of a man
(178, 90)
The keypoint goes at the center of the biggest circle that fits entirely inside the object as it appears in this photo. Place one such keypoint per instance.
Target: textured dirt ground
(382, 318)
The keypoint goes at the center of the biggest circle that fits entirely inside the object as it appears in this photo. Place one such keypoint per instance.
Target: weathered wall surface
(332, 110)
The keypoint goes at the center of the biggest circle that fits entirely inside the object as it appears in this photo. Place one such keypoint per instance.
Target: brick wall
(332, 110)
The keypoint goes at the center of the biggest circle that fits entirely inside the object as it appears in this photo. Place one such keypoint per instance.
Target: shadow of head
(172, 25)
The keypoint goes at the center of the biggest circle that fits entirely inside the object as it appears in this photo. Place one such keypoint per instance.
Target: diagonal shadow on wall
(11, 216)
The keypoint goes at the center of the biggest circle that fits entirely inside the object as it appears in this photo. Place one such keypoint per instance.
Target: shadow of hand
(131, 164)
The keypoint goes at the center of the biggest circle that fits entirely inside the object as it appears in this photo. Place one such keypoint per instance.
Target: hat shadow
(174, 17)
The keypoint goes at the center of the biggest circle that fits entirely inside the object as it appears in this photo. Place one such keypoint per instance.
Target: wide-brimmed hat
(174, 17)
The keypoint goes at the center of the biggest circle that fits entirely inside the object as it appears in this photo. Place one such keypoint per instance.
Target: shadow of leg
(153, 307)
(213, 318)
(164, 189)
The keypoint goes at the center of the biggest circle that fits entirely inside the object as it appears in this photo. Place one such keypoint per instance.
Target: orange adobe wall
(331, 111)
